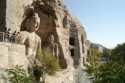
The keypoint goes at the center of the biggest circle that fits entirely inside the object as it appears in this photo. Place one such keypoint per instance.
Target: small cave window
(72, 52)
(72, 41)
(59, 3)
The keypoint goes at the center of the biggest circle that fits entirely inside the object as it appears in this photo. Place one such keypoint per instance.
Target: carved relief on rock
(66, 20)
(29, 38)
(51, 46)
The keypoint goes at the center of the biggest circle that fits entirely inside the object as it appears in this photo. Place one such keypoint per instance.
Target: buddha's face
(32, 24)
(51, 38)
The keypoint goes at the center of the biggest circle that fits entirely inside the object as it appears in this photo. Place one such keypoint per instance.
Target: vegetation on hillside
(110, 72)
(118, 54)
(93, 59)
(93, 56)
(113, 70)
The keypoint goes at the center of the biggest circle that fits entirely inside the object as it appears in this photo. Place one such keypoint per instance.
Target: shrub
(49, 63)
(18, 75)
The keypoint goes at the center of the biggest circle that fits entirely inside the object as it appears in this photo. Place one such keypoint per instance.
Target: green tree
(107, 53)
(112, 71)
(118, 54)
(93, 59)
(93, 56)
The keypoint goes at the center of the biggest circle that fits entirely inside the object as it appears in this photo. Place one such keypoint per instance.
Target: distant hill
(99, 47)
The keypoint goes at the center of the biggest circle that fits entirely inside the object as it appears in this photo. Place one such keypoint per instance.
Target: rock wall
(72, 41)
(10, 55)
(51, 16)
(63, 38)
(11, 14)
(52, 22)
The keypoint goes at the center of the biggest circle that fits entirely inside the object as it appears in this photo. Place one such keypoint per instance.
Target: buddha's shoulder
(38, 37)
(24, 32)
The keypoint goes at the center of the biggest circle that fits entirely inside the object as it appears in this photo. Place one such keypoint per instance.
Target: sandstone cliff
(71, 39)
(69, 34)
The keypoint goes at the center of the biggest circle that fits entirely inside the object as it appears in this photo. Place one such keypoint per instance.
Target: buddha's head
(33, 22)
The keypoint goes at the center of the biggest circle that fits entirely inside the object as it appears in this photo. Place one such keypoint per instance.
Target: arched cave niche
(72, 41)
(72, 52)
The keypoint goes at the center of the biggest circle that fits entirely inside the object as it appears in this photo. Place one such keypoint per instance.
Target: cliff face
(11, 14)
(71, 40)
(69, 34)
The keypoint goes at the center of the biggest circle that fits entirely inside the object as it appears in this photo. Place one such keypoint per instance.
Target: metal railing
(8, 37)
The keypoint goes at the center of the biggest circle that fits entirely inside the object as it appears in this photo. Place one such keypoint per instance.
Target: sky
(104, 20)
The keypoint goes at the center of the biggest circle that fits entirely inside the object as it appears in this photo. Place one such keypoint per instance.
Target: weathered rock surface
(12, 12)
(52, 22)
(29, 38)
(52, 17)
(71, 40)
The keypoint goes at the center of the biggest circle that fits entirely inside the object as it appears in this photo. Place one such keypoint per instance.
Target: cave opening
(72, 41)
(72, 52)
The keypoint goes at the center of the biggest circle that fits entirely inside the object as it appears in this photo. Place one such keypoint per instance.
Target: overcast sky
(104, 20)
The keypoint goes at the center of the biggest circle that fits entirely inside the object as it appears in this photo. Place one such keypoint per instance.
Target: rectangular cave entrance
(72, 41)
(72, 52)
